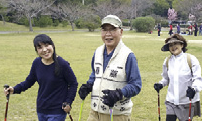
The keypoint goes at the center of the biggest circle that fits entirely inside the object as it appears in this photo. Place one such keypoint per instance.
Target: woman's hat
(170, 40)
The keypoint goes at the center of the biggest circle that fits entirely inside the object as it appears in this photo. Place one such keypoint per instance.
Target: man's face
(111, 35)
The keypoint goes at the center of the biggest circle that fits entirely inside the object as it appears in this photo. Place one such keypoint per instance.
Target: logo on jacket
(103, 107)
(97, 70)
(113, 73)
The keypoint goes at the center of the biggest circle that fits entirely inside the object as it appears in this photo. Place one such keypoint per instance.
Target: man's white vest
(113, 77)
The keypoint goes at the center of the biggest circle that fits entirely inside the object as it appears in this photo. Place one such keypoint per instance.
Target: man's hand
(84, 90)
(112, 96)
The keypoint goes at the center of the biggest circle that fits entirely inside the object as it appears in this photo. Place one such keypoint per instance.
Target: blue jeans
(51, 117)
(200, 32)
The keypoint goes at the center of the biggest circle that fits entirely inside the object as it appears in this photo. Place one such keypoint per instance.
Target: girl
(57, 82)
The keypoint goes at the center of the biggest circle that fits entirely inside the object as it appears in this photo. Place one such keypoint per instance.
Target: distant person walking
(171, 29)
(195, 29)
(159, 29)
(190, 29)
(200, 29)
(178, 28)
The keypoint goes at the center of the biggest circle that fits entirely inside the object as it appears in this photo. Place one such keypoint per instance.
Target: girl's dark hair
(43, 38)
(181, 38)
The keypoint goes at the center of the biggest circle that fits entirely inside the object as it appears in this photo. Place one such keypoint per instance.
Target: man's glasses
(111, 30)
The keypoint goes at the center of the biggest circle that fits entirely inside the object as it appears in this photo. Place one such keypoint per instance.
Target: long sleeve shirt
(53, 90)
(179, 76)
(132, 72)
(171, 27)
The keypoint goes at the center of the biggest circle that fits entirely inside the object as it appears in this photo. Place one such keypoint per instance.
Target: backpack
(188, 61)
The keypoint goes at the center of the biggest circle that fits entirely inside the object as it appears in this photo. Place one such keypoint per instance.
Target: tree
(172, 15)
(68, 11)
(136, 8)
(108, 7)
(193, 7)
(3, 10)
(160, 7)
(29, 8)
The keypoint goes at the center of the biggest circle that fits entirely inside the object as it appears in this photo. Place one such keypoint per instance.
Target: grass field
(17, 53)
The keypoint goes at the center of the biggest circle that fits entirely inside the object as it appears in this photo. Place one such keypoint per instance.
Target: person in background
(57, 82)
(190, 29)
(159, 29)
(184, 82)
(115, 76)
(200, 29)
(171, 29)
(178, 28)
(195, 29)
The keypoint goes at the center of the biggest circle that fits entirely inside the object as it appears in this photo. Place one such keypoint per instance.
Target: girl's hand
(66, 107)
(9, 90)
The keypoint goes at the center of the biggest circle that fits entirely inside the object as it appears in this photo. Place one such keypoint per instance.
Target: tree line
(86, 11)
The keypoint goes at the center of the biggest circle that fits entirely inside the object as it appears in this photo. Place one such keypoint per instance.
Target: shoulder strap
(189, 61)
(168, 58)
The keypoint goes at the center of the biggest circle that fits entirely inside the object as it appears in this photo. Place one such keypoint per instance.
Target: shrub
(125, 22)
(44, 21)
(91, 22)
(164, 23)
(64, 23)
(24, 21)
(55, 22)
(79, 24)
(144, 24)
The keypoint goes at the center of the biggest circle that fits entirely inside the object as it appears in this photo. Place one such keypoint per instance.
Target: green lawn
(17, 53)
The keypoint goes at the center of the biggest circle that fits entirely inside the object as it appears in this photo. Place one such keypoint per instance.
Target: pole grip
(7, 86)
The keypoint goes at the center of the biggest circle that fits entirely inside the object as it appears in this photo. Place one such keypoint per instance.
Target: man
(195, 29)
(115, 76)
(159, 29)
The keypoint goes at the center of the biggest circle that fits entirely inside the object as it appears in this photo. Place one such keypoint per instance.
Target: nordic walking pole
(64, 105)
(159, 107)
(7, 97)
(111, 113)
(189, 109)
(81, 110)
(70, 116)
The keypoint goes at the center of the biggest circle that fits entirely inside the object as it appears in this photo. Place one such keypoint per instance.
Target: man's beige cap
(113, 20)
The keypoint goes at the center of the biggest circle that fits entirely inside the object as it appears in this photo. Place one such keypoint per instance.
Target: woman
(57, 82)
(184, 82)
(171, 29)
